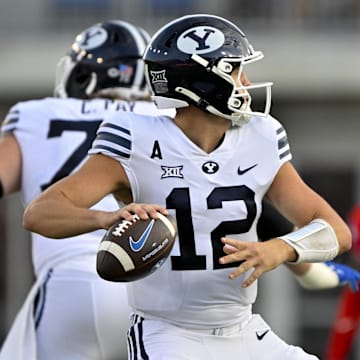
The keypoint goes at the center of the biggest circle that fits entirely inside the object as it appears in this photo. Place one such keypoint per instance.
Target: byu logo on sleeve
(200, 40)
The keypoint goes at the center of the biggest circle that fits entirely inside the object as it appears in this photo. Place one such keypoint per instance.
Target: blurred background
(312, 54)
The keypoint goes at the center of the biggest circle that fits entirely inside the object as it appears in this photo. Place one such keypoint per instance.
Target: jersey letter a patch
(156, 152)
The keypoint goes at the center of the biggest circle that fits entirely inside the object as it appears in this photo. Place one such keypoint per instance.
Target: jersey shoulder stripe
(282, 142)
(113, 138)
(272, 130)
(116, 127)
(10, 121)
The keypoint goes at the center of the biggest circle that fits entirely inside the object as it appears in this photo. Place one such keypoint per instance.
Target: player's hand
(144, 211)
(261, 256)
(346, 274)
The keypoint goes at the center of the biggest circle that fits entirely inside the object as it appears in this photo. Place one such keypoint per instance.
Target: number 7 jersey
(54, 136)
(211, 195)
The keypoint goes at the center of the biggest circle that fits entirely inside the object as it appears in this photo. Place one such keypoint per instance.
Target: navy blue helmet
(104, 60)
(190, 61)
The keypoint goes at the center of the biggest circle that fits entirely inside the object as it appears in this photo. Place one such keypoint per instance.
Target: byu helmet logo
(91, 38)
(200, 40)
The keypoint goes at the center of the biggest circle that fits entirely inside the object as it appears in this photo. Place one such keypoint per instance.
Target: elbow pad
(315, 242)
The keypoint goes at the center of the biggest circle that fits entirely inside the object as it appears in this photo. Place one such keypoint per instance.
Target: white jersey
(64, 130)
(211, 195)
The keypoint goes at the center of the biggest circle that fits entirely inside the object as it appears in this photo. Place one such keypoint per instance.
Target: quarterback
(210, 167)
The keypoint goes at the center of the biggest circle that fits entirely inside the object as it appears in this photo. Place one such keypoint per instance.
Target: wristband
(1, 190)
(315, 242)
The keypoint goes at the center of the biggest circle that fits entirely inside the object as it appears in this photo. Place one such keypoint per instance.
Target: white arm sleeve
(318, 277)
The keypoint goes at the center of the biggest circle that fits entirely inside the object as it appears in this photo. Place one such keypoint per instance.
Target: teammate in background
(70, 313)
(315, 276)
(210, 167)
(347, 320)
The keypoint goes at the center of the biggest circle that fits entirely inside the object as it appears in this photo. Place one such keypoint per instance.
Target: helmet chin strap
(236, 119)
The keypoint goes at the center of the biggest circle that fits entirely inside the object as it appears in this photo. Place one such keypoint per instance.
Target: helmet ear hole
(82, 77)
(78, 82)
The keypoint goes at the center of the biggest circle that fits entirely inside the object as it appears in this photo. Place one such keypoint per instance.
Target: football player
(70, 313)
(210, 167)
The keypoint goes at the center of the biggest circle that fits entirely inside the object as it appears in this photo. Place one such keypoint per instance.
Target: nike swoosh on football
(261, 335)
(242, 172)
(137, 245)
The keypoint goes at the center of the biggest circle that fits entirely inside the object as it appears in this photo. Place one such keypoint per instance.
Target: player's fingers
(237, 251)
(233, 257)
(144, 211)
(241, 269)
(234, 243)
(228, 249)
(253, 277)
(155, 209)
(124, 213)
(149, 210)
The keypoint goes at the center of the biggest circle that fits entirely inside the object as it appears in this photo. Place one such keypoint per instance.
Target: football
(131, 250)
